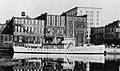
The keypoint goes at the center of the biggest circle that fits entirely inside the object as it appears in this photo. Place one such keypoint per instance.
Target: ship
(59, 49)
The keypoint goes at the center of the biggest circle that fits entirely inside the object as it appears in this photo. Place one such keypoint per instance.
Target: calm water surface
(59, 62)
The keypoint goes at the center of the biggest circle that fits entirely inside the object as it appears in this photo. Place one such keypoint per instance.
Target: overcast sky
(33, 8)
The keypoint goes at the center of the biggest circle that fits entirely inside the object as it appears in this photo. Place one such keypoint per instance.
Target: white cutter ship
(67, 49)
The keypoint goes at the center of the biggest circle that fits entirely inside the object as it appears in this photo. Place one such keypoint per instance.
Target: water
(59, 62)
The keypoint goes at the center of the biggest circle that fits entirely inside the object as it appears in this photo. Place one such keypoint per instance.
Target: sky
(33, 8)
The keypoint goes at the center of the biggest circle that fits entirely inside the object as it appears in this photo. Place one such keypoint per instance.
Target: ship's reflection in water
(59, 62)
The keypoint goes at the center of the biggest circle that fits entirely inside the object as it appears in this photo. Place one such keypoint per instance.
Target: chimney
(23, 14)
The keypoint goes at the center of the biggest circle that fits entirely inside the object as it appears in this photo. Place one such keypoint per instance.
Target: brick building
(112, 33)
(77, 28)
(93, 16)
(62, 26)
(55, 28)
(109, 34)
(97, 35)
(25, 30)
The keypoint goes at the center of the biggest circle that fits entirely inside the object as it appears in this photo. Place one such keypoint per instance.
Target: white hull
(97, 58)
(71, 50)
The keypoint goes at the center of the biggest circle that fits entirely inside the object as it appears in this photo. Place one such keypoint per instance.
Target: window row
(72, 13)
(56, 31)
(109, 30)
(110, 36)
(6, 37)
(56, 23)
(29, 29)
(29, 21)
(51, 17)
(89, 11)
(26, 39)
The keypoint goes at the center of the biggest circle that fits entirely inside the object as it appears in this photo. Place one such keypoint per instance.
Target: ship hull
(72, 50)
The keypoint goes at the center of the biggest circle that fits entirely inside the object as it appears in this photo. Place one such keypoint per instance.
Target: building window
(26, 21)
(91, 19)
(32, 21)
(39, 22)
(35, 29)
(97, 23)
(53, 17)
(16, 20)
(58, 31)
(62, 31)
(62, 23)
(16, 29)
(29, 29)
(32, 29)
(97, 20)
(87, 11)
(42, 23)
(91, 15)
(97, 16)
(40, 30)
(91, 23)
(62, 18)
(112, 30)
(21, 29)
(97, 12)
(80, 11)
(29, 21)
(91, 11)
(48, 23)
(36, 22)
(22, 21)
(58, 17)
(19, 21)
(53, 23)
(58, 23)
(15, 38)
(85, 19)
(48, 17)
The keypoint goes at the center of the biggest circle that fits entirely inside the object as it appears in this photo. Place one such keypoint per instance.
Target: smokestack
(23, 14)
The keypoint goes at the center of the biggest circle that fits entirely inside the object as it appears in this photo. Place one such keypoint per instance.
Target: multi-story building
(55, 29)
(112, 33)
(62, 26)
(76, 27)
(97, 35)
(25, 30)
(109, 34)
(93, 16)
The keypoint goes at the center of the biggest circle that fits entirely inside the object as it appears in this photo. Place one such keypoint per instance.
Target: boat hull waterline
(72, 50)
